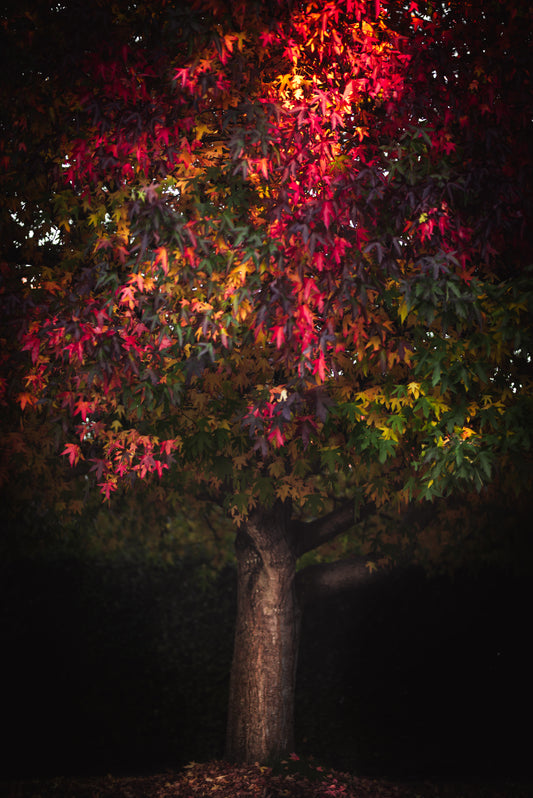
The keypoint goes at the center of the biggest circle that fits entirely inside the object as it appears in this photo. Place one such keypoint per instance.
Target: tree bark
(262, 684)
(263, 673)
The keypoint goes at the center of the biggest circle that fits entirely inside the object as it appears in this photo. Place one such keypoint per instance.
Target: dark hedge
(122, 666)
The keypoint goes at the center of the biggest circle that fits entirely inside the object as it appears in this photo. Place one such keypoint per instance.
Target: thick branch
(317, 582)
(310, 535)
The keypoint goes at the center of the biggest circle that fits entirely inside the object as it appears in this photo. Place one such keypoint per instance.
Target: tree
(274, 256)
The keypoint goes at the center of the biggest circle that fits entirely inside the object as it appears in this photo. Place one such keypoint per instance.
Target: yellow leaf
(283, 492)
(388, 434)
(414, 389)
(202, 129)
(244, 310)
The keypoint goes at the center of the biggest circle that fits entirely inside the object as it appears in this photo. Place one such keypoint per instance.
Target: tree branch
(312, 534)
(316, 582)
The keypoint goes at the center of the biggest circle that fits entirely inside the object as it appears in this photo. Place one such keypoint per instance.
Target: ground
(292, 779)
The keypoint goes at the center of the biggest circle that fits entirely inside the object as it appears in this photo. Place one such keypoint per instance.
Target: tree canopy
(269, 251)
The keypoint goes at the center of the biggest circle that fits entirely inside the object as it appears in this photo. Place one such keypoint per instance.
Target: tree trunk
(263, 674)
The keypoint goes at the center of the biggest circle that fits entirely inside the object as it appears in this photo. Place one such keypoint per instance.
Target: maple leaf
(319, 368)
(73, 452)
(276, 436)
(83, 407)
(26, 399)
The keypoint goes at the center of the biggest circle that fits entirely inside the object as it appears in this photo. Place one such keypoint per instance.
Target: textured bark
(262, 685)
(263, 673)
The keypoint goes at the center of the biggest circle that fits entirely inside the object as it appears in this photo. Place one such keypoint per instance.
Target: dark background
(122, 667)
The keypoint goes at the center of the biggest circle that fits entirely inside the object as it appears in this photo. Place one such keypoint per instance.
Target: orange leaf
(26, 399)
(162, 258)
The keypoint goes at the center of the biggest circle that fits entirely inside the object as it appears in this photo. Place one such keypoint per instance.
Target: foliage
(52, 511)
(269, 253)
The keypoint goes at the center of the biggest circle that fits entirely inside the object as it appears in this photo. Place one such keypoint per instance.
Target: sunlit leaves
(264, 252)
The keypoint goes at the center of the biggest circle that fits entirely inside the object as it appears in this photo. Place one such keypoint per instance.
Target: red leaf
(278, 336)
(328, 213)
(276, 437)
(74, 453)
(320, 367)
(83, 408)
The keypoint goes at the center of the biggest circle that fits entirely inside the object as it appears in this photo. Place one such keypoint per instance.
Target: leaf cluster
(281, 256)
